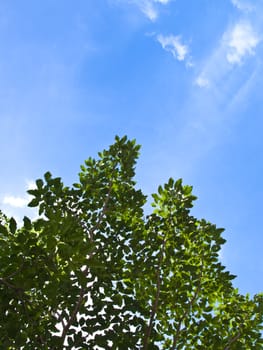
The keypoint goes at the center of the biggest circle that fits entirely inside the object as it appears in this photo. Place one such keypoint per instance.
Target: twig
(94, 228)
(33, 322)
(23, 298)
(15, 273)
(231, 341)
(102, 213)
(10, 285)
(73, 315)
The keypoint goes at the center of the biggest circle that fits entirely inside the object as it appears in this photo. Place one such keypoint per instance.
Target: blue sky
(183, 77)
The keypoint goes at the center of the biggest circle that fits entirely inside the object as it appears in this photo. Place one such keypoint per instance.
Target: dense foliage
(92, 272)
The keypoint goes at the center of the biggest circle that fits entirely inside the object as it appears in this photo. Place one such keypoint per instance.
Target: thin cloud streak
(225, 78)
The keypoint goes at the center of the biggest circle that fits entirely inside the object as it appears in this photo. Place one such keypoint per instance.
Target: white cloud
(202, 82)
(17, 202)
(241, 41)
(164, 2)
(174, 45)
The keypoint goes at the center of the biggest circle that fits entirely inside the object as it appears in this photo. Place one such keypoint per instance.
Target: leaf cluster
(92, 272)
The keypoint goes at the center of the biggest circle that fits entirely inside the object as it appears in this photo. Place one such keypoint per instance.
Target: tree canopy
(94, 272)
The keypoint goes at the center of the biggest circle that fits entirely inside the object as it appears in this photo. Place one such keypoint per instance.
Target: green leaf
(160, 190)
(34, 202)
(12, 225)
(27, 223)
(39, 183)
(47, 176)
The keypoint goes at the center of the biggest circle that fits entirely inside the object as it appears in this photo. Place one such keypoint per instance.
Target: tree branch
(231, 341)
(85, 271)
(156, 301)
(186, 312)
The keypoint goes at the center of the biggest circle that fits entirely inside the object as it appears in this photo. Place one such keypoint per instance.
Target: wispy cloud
(237, 44)
(150, 8)
(174, 45)
(243, 5)
(240, 42)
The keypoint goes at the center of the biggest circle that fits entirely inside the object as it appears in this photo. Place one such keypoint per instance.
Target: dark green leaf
(12, 225)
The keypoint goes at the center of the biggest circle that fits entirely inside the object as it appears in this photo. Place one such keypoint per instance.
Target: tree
(92, 272)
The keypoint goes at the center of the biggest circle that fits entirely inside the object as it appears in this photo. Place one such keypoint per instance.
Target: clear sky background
(183, 77)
